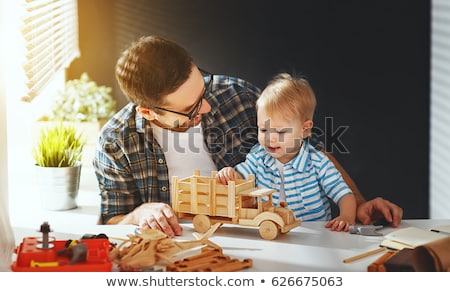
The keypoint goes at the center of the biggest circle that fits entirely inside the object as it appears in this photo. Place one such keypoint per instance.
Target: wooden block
(209, 260)
(231, 266)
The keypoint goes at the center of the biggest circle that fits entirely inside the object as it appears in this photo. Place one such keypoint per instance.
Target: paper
(410, 238)
(443, 229)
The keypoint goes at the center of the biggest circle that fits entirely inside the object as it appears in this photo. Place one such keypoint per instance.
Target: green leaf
(59, 145)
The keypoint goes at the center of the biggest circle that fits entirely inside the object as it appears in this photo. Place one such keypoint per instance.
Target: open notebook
(445, 229)
(412, 237)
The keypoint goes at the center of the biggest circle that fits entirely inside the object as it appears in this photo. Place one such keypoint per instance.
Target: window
(39, 40)
(440, 105)
(50, 33)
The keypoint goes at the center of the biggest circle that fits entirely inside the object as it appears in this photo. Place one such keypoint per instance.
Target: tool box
(31, 257)
(46, 254)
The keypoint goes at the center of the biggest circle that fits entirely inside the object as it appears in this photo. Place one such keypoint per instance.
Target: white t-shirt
(185, 151)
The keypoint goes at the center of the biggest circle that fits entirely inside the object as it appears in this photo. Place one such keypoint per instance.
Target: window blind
(440, 110)
(50, 32)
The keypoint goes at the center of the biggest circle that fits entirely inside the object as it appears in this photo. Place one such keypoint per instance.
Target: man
(179, 118)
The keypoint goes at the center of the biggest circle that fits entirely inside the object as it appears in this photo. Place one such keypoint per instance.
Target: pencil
(363, 255)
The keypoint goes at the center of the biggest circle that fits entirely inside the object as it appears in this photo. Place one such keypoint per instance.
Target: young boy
(303, 177)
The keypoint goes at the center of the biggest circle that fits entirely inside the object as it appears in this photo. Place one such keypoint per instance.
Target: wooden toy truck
(205, 202)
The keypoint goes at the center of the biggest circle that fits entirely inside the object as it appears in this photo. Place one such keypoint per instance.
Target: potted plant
(87, 105)
(58, 154)
(83, 100)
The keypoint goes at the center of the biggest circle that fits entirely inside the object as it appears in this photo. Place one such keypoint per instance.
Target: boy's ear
(147, 113)
(307, 125)
(307, 128)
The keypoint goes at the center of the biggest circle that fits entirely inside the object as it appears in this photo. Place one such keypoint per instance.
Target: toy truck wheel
(268, 230)
(201, 223)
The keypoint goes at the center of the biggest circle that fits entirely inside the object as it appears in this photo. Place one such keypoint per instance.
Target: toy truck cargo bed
(203, 200)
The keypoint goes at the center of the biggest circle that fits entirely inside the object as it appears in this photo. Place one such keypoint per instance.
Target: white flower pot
(58, 187)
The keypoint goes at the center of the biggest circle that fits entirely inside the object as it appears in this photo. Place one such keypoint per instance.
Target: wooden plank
(231, 199)
(194, 209)
(184, 186)
(174, 194)
(212, 197)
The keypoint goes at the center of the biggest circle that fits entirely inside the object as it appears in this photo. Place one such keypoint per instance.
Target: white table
(308, 248)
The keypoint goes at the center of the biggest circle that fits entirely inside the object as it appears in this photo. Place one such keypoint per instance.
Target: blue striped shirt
(130, 165)
(309, 178)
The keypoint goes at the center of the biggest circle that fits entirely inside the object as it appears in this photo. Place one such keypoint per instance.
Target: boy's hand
(225, 175)
(340, 224)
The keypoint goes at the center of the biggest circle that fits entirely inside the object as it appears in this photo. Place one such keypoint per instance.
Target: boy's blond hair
(293, 98)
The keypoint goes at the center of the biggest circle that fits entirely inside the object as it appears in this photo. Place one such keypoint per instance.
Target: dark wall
(368, 63)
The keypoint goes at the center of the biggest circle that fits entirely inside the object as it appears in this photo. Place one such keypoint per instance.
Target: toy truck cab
(205, 202)
(271, 219)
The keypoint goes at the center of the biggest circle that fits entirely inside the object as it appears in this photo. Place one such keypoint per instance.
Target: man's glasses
(194, 112)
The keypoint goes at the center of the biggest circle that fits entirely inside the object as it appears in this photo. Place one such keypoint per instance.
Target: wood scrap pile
(153, 248)
(209, 260)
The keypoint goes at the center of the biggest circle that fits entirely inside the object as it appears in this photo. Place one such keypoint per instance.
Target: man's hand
(378, 209)
(158, 216)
